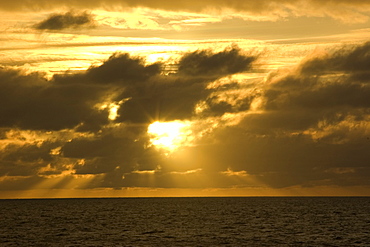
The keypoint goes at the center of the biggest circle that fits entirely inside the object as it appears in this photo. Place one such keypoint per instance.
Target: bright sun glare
(169, 135)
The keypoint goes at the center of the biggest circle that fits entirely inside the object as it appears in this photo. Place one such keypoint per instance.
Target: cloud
(175, 96)
(304, 126)
(147, 96)
(232, 173)
(123, 69)
(65, 21)
(106, 153)
(345, 11)
(80, 102)
(314, 117)
(205, 63)
(26, 159)
(324, 82)
(353, 60)
(29, 101)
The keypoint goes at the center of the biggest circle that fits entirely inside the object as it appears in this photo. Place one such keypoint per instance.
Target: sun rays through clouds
(233, 97)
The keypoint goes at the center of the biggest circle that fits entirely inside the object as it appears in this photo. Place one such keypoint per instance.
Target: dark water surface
(246, 221)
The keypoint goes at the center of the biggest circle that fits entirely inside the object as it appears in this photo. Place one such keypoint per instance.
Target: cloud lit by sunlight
(226, 96)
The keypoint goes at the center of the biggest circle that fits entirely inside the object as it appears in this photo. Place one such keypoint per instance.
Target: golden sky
(103, 98)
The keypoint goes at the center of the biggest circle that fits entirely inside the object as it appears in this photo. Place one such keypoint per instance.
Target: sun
(169, 135)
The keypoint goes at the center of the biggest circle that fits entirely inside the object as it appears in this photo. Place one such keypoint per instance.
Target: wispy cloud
(345, 11)
(67, 20)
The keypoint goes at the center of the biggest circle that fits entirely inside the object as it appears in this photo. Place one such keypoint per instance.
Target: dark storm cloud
(25, 160)
(119, 71)
(66, 20)
(94, 147)
(104, 153)
(149, 96)
(352, 59)
(175, 96)
(310, 127)
(354, 62)
(217, 105)
(315, 120)
(313, 131)
(146, 94)
(28, 101)
(68, 101)
(174, 99)
(325, 83)
(205, 63)
(124, 69)
(282, 161)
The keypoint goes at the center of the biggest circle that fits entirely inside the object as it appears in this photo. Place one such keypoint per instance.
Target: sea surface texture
(247, 221)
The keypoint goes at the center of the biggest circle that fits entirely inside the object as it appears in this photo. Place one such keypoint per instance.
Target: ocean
(222, 221)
